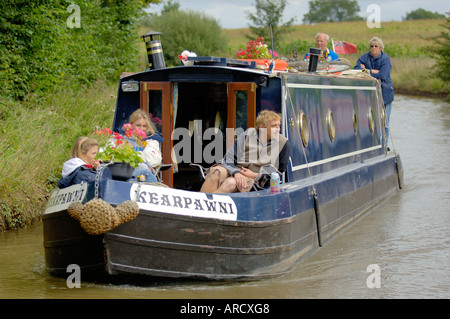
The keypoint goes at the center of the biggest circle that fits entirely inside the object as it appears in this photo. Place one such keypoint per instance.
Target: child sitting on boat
(151, 152)
(81, 166)
(255, 148)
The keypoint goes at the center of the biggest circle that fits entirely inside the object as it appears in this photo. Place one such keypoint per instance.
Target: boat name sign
(61, 199)
(179, 202)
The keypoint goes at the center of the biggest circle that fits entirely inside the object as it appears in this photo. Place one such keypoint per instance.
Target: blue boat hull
(271, 233)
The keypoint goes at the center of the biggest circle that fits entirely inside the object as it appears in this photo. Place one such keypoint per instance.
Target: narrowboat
(339, 170)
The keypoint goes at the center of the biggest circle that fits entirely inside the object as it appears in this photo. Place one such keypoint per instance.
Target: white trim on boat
(335, 158)
(335, 87)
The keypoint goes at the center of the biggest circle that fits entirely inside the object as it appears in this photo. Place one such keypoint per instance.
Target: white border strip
(335, 87)
(335, 158)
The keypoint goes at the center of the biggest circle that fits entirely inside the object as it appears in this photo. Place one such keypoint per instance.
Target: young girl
(151, 154)
(80, 167)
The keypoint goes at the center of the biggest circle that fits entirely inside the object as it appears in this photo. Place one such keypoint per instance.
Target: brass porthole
(355, 123)
(371, 119)
(331, 127)
(304, 129)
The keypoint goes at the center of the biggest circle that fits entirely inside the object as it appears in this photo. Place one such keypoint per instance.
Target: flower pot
(280, 65)
(121, 171)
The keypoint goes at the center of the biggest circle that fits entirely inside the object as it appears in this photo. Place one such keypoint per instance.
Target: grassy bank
(36, 139)
(37, 133)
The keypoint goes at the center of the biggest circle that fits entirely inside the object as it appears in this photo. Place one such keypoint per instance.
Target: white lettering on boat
(174, 201)
(61, 199)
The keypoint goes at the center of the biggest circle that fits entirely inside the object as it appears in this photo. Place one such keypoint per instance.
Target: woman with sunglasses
(379, 66)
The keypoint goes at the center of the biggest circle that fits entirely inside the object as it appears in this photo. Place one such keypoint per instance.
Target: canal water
(400, 250)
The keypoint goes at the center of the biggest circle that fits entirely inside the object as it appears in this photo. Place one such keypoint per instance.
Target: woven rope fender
(98, 217)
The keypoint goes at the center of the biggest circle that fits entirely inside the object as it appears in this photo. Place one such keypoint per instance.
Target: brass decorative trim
(371, 119)
(304, 128)
(331, 126)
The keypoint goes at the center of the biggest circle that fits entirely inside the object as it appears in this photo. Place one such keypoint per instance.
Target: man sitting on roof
(253, 149)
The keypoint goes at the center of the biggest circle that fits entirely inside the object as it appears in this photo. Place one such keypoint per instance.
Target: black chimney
(313, 59)
(154, 50)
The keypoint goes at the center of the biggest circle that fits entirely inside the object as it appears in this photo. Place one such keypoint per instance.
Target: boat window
(241, 109)
(155, 108)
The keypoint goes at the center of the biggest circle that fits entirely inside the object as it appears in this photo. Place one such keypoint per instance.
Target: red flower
(256, 50)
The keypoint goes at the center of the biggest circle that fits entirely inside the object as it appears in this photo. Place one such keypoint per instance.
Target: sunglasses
(374, 46)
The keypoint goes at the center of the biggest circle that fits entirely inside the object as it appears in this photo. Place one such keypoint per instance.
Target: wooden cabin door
(156, 98)
(241, 106)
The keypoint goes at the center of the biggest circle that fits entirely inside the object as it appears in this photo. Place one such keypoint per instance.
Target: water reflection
(407, 237)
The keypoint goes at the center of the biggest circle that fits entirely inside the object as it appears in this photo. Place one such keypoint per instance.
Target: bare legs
(217, 181)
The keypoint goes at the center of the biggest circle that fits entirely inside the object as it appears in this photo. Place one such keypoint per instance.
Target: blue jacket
(82, 174)
(156, 137)
(382, 63)
(332, 56)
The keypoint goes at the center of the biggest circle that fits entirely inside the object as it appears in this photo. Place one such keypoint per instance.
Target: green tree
(188, 30)
(423, 14)
(40, 51)
(269, 13)
(170, 5)
(26, 32)
(441, 50)
(332, 11)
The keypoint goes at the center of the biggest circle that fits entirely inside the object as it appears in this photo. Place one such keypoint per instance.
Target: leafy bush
(39, 51)
(188, 30)
(441, 51)
(423, 14)
(25, 30)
